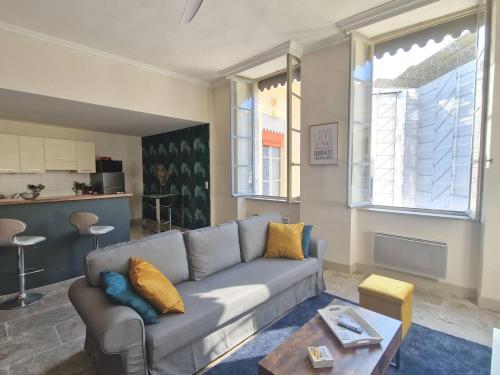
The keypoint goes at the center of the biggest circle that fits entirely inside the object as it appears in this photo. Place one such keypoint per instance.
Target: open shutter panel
(293, 122)
(242, 136)
(479, 118)
(360, 114)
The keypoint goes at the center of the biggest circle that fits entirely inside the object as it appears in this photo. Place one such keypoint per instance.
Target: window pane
(243, 147)
(423, 120)
(243, 182)
(360, 122)
(244, 126)
(295, 147)
(243, 95)
(275, 175)
(265, 169)
(242, 140)
(275, 152)
(360, 183)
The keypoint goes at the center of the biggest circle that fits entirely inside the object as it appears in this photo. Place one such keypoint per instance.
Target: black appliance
(102, 166)
(108, 182)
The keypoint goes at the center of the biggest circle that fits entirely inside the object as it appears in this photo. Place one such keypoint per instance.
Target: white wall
(225, 207)
(119, 147)
(463, 239)
(325, 98)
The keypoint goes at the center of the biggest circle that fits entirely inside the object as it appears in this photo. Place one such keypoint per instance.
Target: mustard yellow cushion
(154, 286)
(285, 241)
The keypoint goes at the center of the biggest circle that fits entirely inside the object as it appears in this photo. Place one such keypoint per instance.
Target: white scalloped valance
(455, 28)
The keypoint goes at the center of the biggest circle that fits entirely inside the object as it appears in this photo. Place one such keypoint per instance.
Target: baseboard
(488, 303)
(339, 267)
(439, 287)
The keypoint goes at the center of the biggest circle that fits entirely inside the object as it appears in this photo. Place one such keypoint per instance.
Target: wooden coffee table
(291, 356)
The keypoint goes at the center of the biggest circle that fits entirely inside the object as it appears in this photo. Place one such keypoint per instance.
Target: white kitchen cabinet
(31, 154)
(9, 153)
(85, 157)
(60, 155)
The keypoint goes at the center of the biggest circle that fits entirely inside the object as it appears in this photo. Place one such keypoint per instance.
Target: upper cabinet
(23, 154)
(85, 157)
(9, 153)
(60, 155)
(31, 154)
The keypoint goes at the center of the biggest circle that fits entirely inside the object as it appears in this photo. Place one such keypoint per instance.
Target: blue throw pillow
(306, 239)
(119, 290)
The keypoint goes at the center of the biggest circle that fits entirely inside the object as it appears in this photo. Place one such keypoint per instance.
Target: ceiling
(23, 106)
(223, 33)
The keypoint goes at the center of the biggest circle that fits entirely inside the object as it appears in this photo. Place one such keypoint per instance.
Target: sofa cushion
(118, 289)
(154, 287)
(165, 250)
(212, 249)
(285, 241)
(253, 234)
(222, 297)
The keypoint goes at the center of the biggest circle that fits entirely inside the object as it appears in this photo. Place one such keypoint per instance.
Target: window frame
(450, 214)
(290, 57)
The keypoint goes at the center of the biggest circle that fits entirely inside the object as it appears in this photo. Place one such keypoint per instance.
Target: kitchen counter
(62, 254)
(64, 198)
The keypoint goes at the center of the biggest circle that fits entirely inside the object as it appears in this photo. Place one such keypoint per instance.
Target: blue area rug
(424, 350)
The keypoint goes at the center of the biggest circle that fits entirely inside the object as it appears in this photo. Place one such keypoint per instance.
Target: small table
(291, 356)
(158, 198)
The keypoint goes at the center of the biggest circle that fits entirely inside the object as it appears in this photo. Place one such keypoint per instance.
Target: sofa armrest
(116, 329)
(317, 249)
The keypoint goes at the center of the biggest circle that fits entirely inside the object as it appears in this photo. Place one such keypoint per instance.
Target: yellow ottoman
(389, 297)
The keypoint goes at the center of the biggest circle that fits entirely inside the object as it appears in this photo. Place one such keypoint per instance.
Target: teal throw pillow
(306, 239)
(118, 289)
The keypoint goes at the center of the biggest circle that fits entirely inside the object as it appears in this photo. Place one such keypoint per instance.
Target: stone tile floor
(47, 338)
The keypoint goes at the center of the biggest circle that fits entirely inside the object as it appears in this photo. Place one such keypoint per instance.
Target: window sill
(272, 199)
(414, 212)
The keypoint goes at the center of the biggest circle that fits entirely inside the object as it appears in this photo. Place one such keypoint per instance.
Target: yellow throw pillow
(285, 241)
(154, 287)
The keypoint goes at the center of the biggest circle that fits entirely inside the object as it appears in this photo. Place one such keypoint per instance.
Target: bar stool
(9, 230)
(84, 223)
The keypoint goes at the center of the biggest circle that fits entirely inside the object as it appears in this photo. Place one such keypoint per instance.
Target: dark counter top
(65, 198)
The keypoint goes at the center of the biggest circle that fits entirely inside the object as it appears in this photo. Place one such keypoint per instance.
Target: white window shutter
(242, 136)
(479, 118)
(294, 128)
(360, 114)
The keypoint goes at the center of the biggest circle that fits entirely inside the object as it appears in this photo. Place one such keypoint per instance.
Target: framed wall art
(324, 142)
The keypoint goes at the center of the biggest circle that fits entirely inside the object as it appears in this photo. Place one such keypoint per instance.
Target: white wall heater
(416, 256)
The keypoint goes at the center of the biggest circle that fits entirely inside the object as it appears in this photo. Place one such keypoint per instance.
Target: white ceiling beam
(380, 13)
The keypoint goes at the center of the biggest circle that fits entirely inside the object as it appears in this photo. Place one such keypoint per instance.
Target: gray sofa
(230, 291)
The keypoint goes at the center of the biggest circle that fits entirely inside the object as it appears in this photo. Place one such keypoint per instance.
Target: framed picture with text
(324, 142)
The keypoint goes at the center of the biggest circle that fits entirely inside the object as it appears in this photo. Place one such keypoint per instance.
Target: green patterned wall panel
(179, 162)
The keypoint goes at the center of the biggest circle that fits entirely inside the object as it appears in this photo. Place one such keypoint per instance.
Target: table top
(291, 356)
(157, 196)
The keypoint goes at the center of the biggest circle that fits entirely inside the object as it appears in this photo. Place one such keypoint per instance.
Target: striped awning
(278, 80)
(437, 33)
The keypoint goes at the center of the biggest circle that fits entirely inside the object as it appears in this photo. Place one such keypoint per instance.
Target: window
(271, 167)
(265, 127)
(416, 118)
